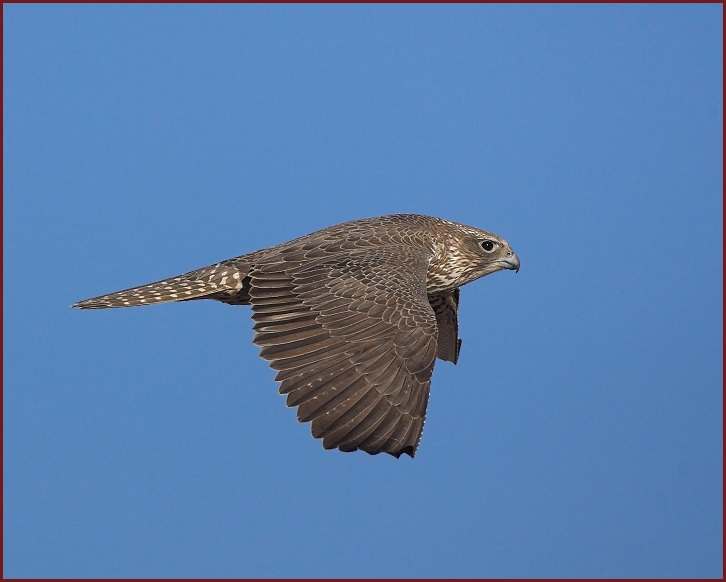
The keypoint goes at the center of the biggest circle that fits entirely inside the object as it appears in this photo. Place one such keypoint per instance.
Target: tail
(226, 281)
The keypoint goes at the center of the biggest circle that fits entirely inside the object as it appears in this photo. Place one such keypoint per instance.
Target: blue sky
(581, 432)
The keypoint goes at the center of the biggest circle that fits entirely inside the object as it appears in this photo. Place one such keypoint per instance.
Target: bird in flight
(352, 317)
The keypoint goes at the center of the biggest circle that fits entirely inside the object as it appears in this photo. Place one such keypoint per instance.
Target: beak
(511, 262)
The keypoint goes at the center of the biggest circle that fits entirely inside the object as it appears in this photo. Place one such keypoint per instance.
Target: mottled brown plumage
(352, 317)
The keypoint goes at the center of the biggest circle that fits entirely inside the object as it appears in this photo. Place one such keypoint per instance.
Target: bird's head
(470, 253)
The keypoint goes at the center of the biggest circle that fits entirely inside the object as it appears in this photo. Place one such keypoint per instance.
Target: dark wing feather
(353, 338)
(446, 307)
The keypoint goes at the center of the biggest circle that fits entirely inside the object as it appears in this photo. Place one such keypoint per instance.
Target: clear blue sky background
(581, 432)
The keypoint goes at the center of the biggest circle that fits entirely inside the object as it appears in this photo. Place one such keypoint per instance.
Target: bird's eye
(487, 245)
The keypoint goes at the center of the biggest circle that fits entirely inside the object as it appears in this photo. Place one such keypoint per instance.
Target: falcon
(352, 317)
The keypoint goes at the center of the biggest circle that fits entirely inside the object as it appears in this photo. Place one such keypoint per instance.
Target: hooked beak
(510, 262)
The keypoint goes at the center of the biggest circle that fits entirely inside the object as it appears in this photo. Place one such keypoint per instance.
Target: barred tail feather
(221, 281)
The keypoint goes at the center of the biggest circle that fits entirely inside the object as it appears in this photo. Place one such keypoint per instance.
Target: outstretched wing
(354, 341)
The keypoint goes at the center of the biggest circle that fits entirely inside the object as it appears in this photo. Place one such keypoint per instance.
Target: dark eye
(487, 245)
